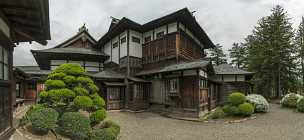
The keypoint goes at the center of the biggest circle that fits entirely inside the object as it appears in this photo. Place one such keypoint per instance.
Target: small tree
(69, 89)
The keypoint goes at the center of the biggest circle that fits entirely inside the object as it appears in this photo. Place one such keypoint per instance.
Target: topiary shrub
(300, 105)
(98, 101)
(56, 76)
(26, 118)
(236, 98)
(246, 109)
(259, 102)
(231, 110)
(54, 84)
(98, 116)
(70, 69)
(83, 102)
(75, 125)
(43, 120)
(69, 79)
(80, 91)
(290, 100)
(216, 114)
(108, 131)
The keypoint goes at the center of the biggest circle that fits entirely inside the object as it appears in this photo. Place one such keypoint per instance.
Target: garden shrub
(75, 125)
(290, 100)
(216, 114)
(300, 105)
(69, 79)
(98, 116)
(246, 109)
(26, 118)
(43, 120)
(54, 84)
(259, 102)
(98, 101)
(83, 102)
(231, 110)
(80, 91)
(85, 80)
(56, 76)
(236, 98)
(70, 69)
(108, 131)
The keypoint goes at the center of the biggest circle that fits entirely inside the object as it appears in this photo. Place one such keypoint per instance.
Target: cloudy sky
(225, 21)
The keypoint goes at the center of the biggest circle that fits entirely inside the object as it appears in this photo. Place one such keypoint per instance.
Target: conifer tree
(238, 55)
(299, 42)
(217, 55)
(271, 54)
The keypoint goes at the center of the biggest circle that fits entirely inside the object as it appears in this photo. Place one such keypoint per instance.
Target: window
(147, 39)
(160, 34)
(114, 93)
(135, 39)
(203, 83)
(115, 44)
(4, 67)
(123, 40)
(173, 87)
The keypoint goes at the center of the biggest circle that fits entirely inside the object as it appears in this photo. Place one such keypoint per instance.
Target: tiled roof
(72, 51)
(229, 69)
(108, 74)
(177, 67)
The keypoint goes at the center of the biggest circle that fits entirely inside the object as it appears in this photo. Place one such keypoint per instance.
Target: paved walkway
(279, 124)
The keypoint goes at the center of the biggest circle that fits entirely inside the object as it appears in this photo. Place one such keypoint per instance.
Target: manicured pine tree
(271, 54)
(217, 55)
(238, 55)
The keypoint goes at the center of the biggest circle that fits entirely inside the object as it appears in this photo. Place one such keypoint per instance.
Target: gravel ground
(278, 124)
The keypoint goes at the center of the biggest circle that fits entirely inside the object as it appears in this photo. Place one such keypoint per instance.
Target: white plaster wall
(146, 34)
(123, 46)
(107, 50)
(229, 78)
(172, 27)
(135, 49)
(115, 50)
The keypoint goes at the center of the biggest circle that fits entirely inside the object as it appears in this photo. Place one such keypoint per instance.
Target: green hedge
(43, 120)
(108, 131)
(246, 109)
(231, 110)
(98, 116)
(75, 125)
(236, 98)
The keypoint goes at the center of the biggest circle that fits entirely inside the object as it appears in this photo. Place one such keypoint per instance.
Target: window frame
(160, 34)
(148, 39)
(123, 40)
(136, 39)
(115, 44)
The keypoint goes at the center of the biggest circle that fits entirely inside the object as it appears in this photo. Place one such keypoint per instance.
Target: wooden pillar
(177, 46)
(198, 92)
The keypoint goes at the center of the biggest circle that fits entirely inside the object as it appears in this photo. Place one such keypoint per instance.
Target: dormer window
(135, 39)
(147, 39)
(160, 34)
(123, 40)
(115, 45)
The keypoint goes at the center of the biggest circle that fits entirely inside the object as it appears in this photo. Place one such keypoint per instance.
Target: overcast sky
(225, 21)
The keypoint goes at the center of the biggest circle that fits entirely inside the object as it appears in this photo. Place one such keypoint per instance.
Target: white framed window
(173, 85)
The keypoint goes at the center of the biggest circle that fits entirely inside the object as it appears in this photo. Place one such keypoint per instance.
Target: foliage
(259, 102)
(43, 119)
(216, 114)
(74, 125)
(299, 42)
(109, 131)
(69, 79)
(246, 109)
(217, 55)
(83, 102)
(54, 84)
(290, 100)
(98, 116)
(70, 69)
(98, 101)
(26, 118)
(56, 76)
(80, 91)
(271, 54)
(231, 110)
(238, 54)
(300, 105)
(236, 98)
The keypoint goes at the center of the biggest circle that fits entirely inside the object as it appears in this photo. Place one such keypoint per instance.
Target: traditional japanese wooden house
(20, 21)
(232, 79)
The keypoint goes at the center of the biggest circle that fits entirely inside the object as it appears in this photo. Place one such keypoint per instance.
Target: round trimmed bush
(83, 102)
(43, 95)
(93, 88)
(236, 98)
(290, 100)
(54, 84)
(80, 91)
(216, 114)
(230, 110)
(43, 120)
(70, 69)
(75, 125)
(26, 118)
(56, 76)
(246, 109)
(85, 80)
(259, 102)
(69, 79)
(98, 116)
(98, 101)
(108, 131)
(300, 105)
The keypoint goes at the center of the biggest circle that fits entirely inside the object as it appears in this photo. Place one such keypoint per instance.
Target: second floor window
(135, 39)
(160, 34)
(115, 45)
(147, 39)
(123, 40)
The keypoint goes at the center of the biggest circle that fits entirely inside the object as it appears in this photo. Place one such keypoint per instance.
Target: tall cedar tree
(217, 55)
(238, 55)
(299, 41)
(271, 54)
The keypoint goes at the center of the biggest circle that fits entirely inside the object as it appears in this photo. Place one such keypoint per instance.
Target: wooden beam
(17, 7)
(30, 37)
